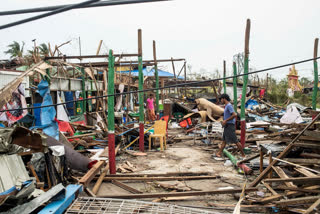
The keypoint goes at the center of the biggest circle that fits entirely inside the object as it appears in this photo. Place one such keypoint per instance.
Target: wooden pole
(156, 77)
(245, 81)
(174, 73)
(141, 98)
(235, 93)
(111, 134)
(316, 78)
(224, 76)
(99, 47)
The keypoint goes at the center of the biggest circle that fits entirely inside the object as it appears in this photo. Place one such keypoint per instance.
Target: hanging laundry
(61, 112)
(17, 102)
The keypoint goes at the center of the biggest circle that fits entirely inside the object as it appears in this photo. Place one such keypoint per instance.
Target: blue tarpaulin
(161, 73)
(47, 114)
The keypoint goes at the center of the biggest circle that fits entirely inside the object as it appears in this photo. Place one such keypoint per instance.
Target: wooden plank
(248, 159)
(180, 178)
(297, 201)
(313, 207)
(299, 180)
(178, 194)
(269, 188)
(297, 165)
(303, 161)
(305, 172)
(270, 199)
(87, 178)
(295, 189)
(162, 174)
(282, 174)
(295, 193)
(126, 187)
(282, 154)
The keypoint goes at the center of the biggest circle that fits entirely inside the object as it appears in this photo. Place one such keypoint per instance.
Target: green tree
(304, 82)
(15, 49)
(44, 50)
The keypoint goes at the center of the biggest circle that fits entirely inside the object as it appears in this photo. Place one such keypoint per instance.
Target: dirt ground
(184, 156)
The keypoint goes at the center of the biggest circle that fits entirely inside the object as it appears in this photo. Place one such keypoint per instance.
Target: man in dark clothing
(229, 133)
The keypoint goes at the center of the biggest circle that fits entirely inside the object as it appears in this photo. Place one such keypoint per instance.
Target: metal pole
(245, 81)
(316, 78)
(156, 77)
(141, 98)
(111, 136)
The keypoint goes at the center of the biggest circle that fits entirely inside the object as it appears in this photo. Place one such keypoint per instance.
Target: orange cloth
(151, 114)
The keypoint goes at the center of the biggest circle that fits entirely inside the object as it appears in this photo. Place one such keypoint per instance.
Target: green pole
(141, 98)
(111, 92)
(316, 78)
(111, 134)
(83, 83)
(224, 76)
(244, 88)
(157, 78)
(235, 94)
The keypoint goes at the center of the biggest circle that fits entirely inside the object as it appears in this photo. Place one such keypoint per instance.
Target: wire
(170, 86)
(59, 10)
(99, 4)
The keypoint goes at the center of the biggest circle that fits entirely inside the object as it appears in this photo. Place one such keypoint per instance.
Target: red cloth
(65, 127)
(262, 92)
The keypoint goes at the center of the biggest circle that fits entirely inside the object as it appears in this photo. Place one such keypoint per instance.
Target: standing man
(150, 108)
(229, 133)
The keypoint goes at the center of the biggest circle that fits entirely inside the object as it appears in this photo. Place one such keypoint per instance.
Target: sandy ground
(183, 156)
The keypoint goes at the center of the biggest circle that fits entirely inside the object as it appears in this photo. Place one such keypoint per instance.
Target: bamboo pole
(224, 76)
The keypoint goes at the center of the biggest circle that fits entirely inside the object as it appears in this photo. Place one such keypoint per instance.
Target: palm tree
(15, 50)
(44, 50)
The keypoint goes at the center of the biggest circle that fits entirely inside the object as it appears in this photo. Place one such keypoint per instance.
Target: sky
(204, 32)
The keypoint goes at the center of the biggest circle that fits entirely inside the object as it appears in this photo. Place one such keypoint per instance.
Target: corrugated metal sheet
(13, 171)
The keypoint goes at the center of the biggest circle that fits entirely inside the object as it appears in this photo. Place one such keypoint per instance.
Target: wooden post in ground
(156, 77)
(141, 98)
(111, 134)
(245, 81)
(224, 76)
(316, 78)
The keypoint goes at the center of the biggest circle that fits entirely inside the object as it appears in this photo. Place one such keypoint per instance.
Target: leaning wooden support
(141, 94)
(178, 194)
(85, 180)
(316, 77)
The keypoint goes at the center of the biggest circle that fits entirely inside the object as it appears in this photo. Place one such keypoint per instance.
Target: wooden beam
(299, 180)
(296, 201)
(126, 187)
(180, 178)
(313, 207)
(162, 174)
(85, 180)
(283, 175)
(178, 194)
